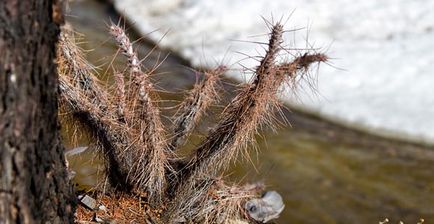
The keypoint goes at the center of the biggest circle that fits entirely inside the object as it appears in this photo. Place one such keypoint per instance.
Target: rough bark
(33, 180)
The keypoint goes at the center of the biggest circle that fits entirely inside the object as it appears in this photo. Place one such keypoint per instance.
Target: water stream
(325, 173)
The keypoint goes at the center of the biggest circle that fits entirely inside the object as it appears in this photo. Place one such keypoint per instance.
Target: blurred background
(360, 145)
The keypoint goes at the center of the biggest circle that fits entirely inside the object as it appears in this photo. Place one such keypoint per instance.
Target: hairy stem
(194, 106)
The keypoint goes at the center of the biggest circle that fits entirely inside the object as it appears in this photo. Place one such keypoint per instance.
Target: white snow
(385, 49)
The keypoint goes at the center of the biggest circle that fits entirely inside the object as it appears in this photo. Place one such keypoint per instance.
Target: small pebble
(88, 202)
(266, 208)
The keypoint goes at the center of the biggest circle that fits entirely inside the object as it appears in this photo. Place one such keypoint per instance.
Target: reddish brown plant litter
(120, 208)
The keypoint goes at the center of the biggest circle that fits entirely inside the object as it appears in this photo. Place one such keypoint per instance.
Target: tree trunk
(33, 181)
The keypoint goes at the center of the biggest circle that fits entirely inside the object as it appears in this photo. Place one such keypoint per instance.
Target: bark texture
(33, 180)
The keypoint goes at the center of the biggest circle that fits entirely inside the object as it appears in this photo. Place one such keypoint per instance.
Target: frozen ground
(384, 49)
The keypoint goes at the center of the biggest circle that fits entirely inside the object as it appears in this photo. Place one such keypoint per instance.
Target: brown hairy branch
(72, 63)
(194, 106)
(149, 168)
(88, 101)
(103, 128)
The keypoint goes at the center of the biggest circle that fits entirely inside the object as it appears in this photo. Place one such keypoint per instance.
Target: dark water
(326, 173)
